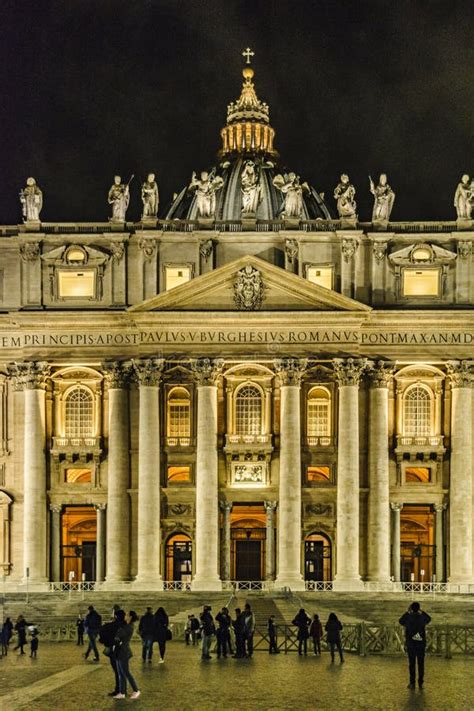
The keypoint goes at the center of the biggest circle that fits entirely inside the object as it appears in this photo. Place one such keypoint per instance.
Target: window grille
(318, 413)
(179, 413)
(248, 411)
(79, 414)
(417, 412)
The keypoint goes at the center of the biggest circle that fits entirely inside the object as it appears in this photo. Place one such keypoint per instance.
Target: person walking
(207, 631)
(239, 631)
(272, 636)
(162, 631)
(122, 653)
(223, 633)
(80, 630)
(6, 635)
(316, 632)
(146, 629)
(92, 625)
(106, 637)
(20, 629)
(333, 629)
(302, 622)
(249, 630)
(414, 621)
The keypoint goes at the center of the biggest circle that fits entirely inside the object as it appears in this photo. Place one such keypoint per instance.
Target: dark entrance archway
(179, 556)
(78, 543)
(417, 549)
(248, 535)
(317, 557)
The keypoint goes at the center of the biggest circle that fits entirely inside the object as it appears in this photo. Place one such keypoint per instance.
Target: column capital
(439, 508)
(226, 506)
(117, 374)
(396, 506)
(55, 508)
(290, 370)
(348, 371)
(30, 375)
(380, 373)
(206, 371)
(100, 507)
(270, 507)
(461, 373)
(148, 371)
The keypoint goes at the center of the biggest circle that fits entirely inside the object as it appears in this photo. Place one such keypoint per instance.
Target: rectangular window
(178, 475)
(176, 275)
(76, 284)
(318, 475)
(421, 282)
(74, 475)
(322, 276)
(418, 475)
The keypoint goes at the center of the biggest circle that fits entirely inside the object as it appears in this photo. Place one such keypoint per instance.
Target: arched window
(417, 404)
(79, 419)
(248, 411)
(318, 413)
(179, 416)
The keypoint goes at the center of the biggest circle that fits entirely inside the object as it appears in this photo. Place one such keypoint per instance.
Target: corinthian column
(439, 514)
(396, 508)
(226, 508)
(270, 507)
(55, 542)
(379, 508)
(30, 377)
(206, 372)
(290, 371)
(118, 503)
(348, 373)
(148, 373)
(100, 543)
(460, 490)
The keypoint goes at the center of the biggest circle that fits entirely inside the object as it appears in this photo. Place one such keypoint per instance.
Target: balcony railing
(319, 441)
(257, 585)
(416, 441)
(76, 442)
(248, 439)
(179, 441)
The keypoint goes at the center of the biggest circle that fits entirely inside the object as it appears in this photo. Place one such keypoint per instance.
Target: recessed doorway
(78, 543)
(179, 556)
(317, 557)
(417, 549)
(248, 534)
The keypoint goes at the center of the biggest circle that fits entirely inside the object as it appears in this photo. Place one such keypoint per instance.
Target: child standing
(80, 630)
(34, 642)
(316, 632)
(272, 636)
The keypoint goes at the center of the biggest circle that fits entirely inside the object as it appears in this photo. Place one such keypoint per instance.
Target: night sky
(90, 88)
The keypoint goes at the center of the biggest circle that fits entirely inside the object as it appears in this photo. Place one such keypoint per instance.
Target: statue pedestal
(117, 226)
(32, 225)
(249, 221)
(380, 225)
(463, 224)
(206, 223)
(348, 222)
(292, 223)
(149, 221)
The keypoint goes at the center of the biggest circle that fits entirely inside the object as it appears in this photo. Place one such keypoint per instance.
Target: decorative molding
(117, 250)
(319, 509)
(291, 250)
(149, 247)
(439, 508)
(349, 247)
(206, 247)
(29, 251)
(56, 508)
(249, 291)
(226, 507)
(464, 248)
(396, 506)
(379, 250)
(380, 373)
(100, 507)
(207, 370)
(117, 374)
(270, 507)
(30, 375)
(290, 370)
(460, 373)
(348, 371)
(180, 509)
(148, 371)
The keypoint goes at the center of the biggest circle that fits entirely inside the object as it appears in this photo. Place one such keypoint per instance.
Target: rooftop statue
(251, 189)
(292, 190)
(344, 194)
(150, 198)
(464, 198)
(384, 199)
(119, 198)
(206, 188)
(31, 199)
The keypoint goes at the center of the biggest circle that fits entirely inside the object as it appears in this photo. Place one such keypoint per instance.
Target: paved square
(61, 679)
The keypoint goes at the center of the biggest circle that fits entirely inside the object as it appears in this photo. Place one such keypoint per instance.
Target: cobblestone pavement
(60, 679)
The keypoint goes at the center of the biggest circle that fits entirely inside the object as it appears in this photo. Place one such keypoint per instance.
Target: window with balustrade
(248, 410)
(417, 411)
(179, 417)
(318, 414)
(79, 413)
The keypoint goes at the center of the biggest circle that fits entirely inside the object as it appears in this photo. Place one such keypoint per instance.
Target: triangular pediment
(249, 284)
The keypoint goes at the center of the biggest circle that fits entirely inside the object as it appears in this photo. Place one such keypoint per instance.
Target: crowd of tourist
(226, 635)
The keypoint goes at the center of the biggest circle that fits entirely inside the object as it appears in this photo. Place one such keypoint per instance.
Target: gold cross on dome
(247, 53)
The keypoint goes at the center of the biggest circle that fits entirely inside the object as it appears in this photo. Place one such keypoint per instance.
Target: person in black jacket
(146, 629)
(239, 630)
(20, 629)
(207, 630)
(122, 653)
(106, 637)
(302, 621)
(414, 621)
(161, 631)
(92, 624)
(223, 632)
(272, 636)
(333, 635)
(80, 630)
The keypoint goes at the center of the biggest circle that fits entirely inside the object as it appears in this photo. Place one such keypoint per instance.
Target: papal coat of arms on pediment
(249, 291)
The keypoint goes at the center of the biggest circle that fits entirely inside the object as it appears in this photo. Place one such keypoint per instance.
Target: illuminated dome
(247, 138)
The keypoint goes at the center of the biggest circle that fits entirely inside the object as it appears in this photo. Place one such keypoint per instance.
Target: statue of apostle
(344, 195)
(31, 199)
(251, 189)
(463, 198)
(292, 189)
(150, 198)
(206, 187)
(384, 199)
(119, 198)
